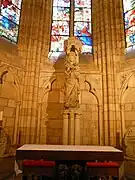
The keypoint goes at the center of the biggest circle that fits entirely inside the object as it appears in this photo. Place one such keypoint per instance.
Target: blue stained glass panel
(129, 19)
(61, 13)
(82, 29)
(11, 12)
(57, 43)
(82, 14)
(9, 19)
(83, 3)
(86, 40)
(60, 28)
(130, 36)
(61, 3)
(8, 29)
(61, 21)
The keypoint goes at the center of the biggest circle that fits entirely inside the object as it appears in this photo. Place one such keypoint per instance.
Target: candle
(1, 115)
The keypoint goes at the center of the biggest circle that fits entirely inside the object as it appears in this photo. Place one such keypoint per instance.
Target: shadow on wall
(55, 105)
(89, 117)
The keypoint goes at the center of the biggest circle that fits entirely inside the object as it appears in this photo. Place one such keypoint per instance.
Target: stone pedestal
(77, 129)
(71, 127)
(65, 127)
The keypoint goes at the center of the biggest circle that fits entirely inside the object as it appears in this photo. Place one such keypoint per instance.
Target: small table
(69, 153)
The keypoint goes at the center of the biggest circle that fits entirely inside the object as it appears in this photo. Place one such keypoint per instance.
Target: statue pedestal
(65, 127)
(71, 127)
(77, 129)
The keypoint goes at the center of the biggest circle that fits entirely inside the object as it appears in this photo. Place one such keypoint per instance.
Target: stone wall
(127, 92)
(31, 93)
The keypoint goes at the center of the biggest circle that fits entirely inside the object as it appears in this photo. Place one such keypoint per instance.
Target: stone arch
(47, 86)
(52, 105)
(15, 83)
(127, 103)
(92, 91)
(124, 86)
(10, 99)
(90, 115)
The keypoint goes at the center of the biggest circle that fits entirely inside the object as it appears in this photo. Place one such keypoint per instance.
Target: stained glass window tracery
(9, 19)
(129, 20)
(61, 22)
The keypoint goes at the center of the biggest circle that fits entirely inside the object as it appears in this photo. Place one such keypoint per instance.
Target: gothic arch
(10, 93)
(124, 86)
(47, 87)
(89, 108)
(92, 92)
(51, 107)
(127, 103)
(5, 70)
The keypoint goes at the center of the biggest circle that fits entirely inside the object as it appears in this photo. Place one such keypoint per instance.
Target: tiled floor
(7, 169)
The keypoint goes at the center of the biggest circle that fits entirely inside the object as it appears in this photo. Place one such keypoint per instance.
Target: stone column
(65, 127)
(108, 44)
(71, 128)
(38, 123)
(77, 129)
(122, 120)
(46, 125)
(33, 48)
(16, 123)
(101, 125)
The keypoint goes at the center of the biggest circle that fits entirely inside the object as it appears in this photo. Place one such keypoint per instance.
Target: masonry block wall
(31, 95)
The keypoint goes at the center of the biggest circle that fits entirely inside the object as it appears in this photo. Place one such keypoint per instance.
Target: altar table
(69, 152)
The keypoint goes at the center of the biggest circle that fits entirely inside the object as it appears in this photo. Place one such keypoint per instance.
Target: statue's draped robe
(72, 79)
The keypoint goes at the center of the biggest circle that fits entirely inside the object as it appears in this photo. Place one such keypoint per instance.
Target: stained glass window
(9, 19)
(82, 24)
(61, 22)
(129, 19)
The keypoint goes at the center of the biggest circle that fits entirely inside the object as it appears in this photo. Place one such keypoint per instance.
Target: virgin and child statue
(72, 77)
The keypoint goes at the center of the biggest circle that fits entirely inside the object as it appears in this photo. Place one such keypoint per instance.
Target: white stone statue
(72, 58)
(72, 77)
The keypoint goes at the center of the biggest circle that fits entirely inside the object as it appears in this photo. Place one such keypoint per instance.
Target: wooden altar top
(69, 152)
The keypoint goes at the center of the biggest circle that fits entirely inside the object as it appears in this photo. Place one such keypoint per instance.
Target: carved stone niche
(129, 142)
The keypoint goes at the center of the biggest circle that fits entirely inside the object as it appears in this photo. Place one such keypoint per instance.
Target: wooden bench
(102, 169)
(38, 168)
